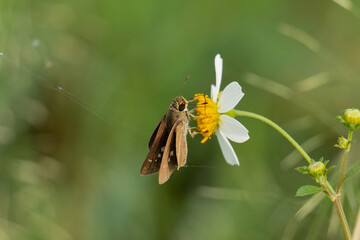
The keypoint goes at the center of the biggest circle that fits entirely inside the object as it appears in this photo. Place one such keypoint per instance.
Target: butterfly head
(180, 103)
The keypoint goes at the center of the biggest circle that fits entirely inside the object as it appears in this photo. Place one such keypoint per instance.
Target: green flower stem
(332, 191)
(337, 201)
(343, 164)
(278, 128)
(335, 198)
(326, 186)
(344, 223)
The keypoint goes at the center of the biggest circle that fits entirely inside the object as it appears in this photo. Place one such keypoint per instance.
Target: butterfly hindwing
(181, 145)
(168, 161)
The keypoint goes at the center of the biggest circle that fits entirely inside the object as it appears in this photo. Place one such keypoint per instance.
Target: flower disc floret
(208, 116)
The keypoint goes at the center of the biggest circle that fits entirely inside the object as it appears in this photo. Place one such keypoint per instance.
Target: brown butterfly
(167, 145)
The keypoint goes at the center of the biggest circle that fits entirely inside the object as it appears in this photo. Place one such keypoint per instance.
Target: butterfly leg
(192, 133)
(191, 112)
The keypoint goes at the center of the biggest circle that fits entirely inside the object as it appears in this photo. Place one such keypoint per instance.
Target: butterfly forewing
(153, 136)
(156, 146)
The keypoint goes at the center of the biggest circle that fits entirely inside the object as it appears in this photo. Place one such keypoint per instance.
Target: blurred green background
(83, 84)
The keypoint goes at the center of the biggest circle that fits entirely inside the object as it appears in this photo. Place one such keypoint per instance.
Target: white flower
(211, 115)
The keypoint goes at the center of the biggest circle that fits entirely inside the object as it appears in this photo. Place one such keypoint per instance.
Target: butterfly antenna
(186, 79)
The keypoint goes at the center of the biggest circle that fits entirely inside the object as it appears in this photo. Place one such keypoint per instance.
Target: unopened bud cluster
(342, 143)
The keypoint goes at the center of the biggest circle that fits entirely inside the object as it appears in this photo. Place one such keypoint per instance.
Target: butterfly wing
(168, 161)
(181, 144)
(154, 133)
(156, 145)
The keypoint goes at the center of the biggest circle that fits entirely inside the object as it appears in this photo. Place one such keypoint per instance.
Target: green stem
(337, 201)
(343, 164)
(328, 188)
(342, 217)
(278, 128)
(335, 198)
(332, 191)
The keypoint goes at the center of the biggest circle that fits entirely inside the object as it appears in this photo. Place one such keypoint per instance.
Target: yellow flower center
(207, 117)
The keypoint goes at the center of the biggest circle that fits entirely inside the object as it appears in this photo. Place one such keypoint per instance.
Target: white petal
(227, 149)
(230, 97)
(213, 91)
(233, 129)
(218, 72)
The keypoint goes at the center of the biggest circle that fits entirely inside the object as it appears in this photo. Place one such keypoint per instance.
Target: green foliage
(307, 190)
(355, 169)
(304, 170)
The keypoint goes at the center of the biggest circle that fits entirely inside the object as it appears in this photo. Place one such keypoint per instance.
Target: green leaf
(307, 190)
(355, 169)
(303, 170)
(329, 169)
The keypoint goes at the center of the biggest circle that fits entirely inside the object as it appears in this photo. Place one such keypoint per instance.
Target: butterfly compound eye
(181, 106)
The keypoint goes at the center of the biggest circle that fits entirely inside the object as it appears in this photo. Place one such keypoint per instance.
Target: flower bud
(317, 168)
(352, 116)
(342, 143)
